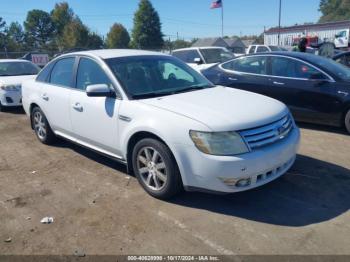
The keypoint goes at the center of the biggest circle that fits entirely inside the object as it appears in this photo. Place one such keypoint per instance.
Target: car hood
(223, 108)
(15, 80)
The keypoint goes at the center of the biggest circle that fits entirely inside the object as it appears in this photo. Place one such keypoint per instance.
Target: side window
(62, 72)
(252, 49)
(191, 55)
(252, 64)
(180, 55)
(262, 49)
(90, 73)
(286, 67)
(44, 74)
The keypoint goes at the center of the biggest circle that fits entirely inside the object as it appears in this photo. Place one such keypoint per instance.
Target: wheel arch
(136, 137)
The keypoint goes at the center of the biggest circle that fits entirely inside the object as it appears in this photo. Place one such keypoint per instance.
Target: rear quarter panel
(30, 94)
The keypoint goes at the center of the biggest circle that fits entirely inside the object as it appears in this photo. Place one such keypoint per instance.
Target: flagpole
(222, 18)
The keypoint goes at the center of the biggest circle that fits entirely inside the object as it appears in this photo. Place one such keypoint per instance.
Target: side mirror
(198, 61)
(99, 90)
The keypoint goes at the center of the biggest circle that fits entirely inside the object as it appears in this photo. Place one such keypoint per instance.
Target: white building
(324, 31)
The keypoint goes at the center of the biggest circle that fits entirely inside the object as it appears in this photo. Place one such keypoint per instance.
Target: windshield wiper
(192, 88)
(151, 95)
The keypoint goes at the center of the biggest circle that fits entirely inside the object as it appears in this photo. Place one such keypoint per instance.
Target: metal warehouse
(324, 31)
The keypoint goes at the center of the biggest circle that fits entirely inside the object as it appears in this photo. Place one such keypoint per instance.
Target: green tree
(334, 10)
(39, 27)
(94, 41)
(147, 31)
(75, 35)
(118, 37)
(2, 34)
(15, 37)
(61, 16)
(177, 44)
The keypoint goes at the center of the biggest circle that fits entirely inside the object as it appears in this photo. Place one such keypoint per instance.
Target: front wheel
(41, 127)
(156, 169)
(347, 121)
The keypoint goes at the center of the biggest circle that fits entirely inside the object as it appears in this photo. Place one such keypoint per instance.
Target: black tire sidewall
(347, 121)
(173, 184)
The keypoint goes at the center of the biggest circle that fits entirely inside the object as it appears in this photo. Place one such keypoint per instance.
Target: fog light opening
(243, 182)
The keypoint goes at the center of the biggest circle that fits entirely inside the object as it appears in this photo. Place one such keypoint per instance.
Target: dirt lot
(99, 209)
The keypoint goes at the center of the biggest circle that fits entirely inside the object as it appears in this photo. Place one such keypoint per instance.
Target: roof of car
(196, 48)
(114, 53)
(341, 54)
(300, 55)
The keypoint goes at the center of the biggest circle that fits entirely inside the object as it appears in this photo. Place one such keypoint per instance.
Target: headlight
(219, 143)
(11, 87)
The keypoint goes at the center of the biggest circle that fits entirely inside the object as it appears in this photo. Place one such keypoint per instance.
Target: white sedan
(169, 125)
(12, 73)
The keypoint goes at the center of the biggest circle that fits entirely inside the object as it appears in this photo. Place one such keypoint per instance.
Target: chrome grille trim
(268, 134)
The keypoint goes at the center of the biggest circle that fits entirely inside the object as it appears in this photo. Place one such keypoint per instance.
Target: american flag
(216, 4)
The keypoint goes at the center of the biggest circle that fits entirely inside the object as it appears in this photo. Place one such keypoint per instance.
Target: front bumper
(11, 98)
(220, 173)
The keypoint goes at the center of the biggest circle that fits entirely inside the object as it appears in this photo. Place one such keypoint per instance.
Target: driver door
(94, 119)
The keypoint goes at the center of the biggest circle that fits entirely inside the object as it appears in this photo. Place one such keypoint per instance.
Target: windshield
(18, 68)
(152, 76)
(216, 55)
(333, 67)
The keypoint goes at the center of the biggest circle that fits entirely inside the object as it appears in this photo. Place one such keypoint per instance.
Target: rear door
(55, 94)
(94, 119)
(246, 73)
(308, 92)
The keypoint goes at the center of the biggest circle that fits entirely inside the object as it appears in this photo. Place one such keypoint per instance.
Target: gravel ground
(99, 209)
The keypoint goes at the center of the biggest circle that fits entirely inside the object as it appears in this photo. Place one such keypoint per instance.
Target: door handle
(232, 79)
(45, 97)
(278, 83)
(78, 107)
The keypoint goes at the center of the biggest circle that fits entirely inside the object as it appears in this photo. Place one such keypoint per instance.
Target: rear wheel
(347, 121)
(156, 169)
(1, 108)
(41, 127)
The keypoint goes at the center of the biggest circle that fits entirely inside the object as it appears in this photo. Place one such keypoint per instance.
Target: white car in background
(165, 121)
(200, 58)
(252, 49)
(12, 73)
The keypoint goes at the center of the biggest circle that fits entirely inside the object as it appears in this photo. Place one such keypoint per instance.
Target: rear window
(18, 68)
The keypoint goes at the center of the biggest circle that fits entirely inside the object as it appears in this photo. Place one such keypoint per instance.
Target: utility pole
(222, 18)
(279, 22)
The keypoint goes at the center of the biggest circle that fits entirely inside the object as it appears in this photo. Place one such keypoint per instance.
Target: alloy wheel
(39, 125)
(152, 168)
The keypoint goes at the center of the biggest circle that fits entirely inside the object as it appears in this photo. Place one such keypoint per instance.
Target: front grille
(268, 134)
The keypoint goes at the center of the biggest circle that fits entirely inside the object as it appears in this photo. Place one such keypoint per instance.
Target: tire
(155, 168)
(347, 122)
(1, 108)
(42, 127)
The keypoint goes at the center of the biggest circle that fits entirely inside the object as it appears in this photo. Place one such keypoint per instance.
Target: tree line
(62, 29)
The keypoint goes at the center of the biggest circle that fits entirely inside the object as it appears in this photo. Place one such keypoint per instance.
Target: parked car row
(171, 126)
(176, 128)
(315, 89)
